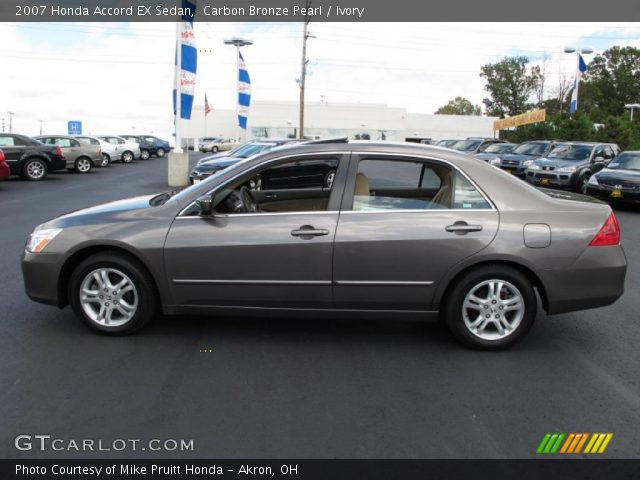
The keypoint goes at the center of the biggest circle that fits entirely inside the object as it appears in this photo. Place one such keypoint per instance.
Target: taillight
(609, 234)
(59, 151)
(2, 157)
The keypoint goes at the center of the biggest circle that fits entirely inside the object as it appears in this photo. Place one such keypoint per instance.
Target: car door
(404, 223)
(13, 148)
(278, 257)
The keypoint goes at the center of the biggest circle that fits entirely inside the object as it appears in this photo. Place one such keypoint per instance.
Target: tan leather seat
(443, 197)
(362, 185)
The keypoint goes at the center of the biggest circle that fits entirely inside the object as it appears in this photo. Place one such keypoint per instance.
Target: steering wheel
(247, 200)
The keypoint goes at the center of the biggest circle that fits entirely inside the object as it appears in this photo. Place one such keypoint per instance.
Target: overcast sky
(117, 77)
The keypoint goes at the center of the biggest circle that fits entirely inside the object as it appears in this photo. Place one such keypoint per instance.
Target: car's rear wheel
(160, 152)
(83, 165)
(144, 155)
(34, 169)
(490, 307)
(214, 149)
(106, 160)
(112, 294)
(127, 157)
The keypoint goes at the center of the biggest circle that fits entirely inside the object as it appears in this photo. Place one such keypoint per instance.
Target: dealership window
(295, 186)
(412, 185)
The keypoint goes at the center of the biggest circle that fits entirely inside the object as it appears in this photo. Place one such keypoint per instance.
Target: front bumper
(551, 179)
(614, 195)
(596, 279)
(517, 170)
(41, 274)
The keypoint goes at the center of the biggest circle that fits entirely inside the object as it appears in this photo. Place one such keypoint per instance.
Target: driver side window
(303, 185)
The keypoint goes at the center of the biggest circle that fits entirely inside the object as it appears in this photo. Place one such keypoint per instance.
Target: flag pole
(178, 80)
(238, 89)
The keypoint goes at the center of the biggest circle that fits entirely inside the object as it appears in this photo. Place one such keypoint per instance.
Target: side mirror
(205, 204)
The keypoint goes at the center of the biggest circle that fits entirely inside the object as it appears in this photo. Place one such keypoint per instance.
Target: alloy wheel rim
(84, 166)
(108, 297)
(105, 160)
(127, 157)
(35, 170)
(493, 309)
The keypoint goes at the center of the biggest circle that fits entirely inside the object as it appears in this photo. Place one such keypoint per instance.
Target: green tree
(510, 86)
(611, 81)
(459, 106)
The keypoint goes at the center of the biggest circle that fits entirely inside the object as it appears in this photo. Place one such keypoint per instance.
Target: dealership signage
(534, 116)
(74, 127)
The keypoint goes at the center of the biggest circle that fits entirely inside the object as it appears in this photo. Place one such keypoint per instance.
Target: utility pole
(305, 61)
(41, 122)
(10, 121)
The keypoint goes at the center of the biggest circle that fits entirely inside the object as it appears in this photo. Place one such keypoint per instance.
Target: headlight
(526, 163)
(39, 239)
(495, 161)
(533, 166)
(567, 169)
(593, 180)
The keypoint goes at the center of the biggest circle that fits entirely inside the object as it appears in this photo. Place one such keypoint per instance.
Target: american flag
(207, 108)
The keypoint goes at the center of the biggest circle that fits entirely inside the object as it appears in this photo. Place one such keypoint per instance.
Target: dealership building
(279, 119)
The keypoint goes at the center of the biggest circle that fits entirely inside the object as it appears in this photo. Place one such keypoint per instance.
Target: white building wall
(280, 119)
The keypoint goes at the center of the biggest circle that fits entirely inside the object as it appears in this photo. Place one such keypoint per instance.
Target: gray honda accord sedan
(368, 229)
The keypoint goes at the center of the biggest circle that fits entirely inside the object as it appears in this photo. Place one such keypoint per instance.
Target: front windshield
(251, 149)
(499, 148)
(571, 152)
(531, 149)
(447, 143)
(626, 161)
(466, 145)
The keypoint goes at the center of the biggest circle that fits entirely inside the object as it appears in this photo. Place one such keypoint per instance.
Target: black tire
(468, 282)
(144, 155)
(127, 157)
(583, 182)
(106, 160)
(34, 169)
(214, 149)
(160, 152)
(146, 294)
(83, 165)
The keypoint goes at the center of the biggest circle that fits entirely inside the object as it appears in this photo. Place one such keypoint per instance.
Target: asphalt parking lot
(275, 388)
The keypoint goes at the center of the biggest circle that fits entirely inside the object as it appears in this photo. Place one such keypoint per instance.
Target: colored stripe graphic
(573, 443)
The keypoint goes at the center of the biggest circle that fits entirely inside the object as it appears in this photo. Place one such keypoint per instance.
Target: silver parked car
(402, 230)
(216, 144)
(126, 151)
(109, 150)
(80, 157)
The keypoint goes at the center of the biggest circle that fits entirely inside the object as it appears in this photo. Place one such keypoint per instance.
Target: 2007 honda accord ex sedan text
(366, 229)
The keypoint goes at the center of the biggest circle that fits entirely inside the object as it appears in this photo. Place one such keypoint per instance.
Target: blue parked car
(158, 147)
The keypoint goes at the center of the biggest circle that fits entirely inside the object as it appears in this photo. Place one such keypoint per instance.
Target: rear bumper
(41, 273)
(57, 164)
(596, 279)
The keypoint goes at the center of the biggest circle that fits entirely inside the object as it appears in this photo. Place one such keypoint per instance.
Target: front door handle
(307, 232)
(462, 228)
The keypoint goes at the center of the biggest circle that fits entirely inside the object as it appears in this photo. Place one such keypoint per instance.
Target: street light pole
(303, 72)
(238, 42)
(632, 106)
(10, 121)
(41, 122)
(577, 51)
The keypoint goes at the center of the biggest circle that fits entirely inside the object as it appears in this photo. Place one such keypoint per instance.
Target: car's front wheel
(112, 294)
(490, 307)
(127, 157)
(583, 183)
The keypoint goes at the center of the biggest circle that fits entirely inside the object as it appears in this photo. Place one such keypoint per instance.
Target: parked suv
(516, 162)
(30, 158)
(80, 157)
(570, 165)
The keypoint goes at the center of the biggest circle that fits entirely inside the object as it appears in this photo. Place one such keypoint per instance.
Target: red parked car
(4, 167)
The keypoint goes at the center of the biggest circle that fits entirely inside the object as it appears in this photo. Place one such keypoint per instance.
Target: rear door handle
(307, 232)
(462, 228)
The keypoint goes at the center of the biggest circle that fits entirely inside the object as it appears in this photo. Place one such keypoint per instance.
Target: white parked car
(126, 151)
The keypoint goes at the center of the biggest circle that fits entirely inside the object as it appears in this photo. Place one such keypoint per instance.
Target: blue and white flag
(582, 67)
(189, 61)
(244, 93)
